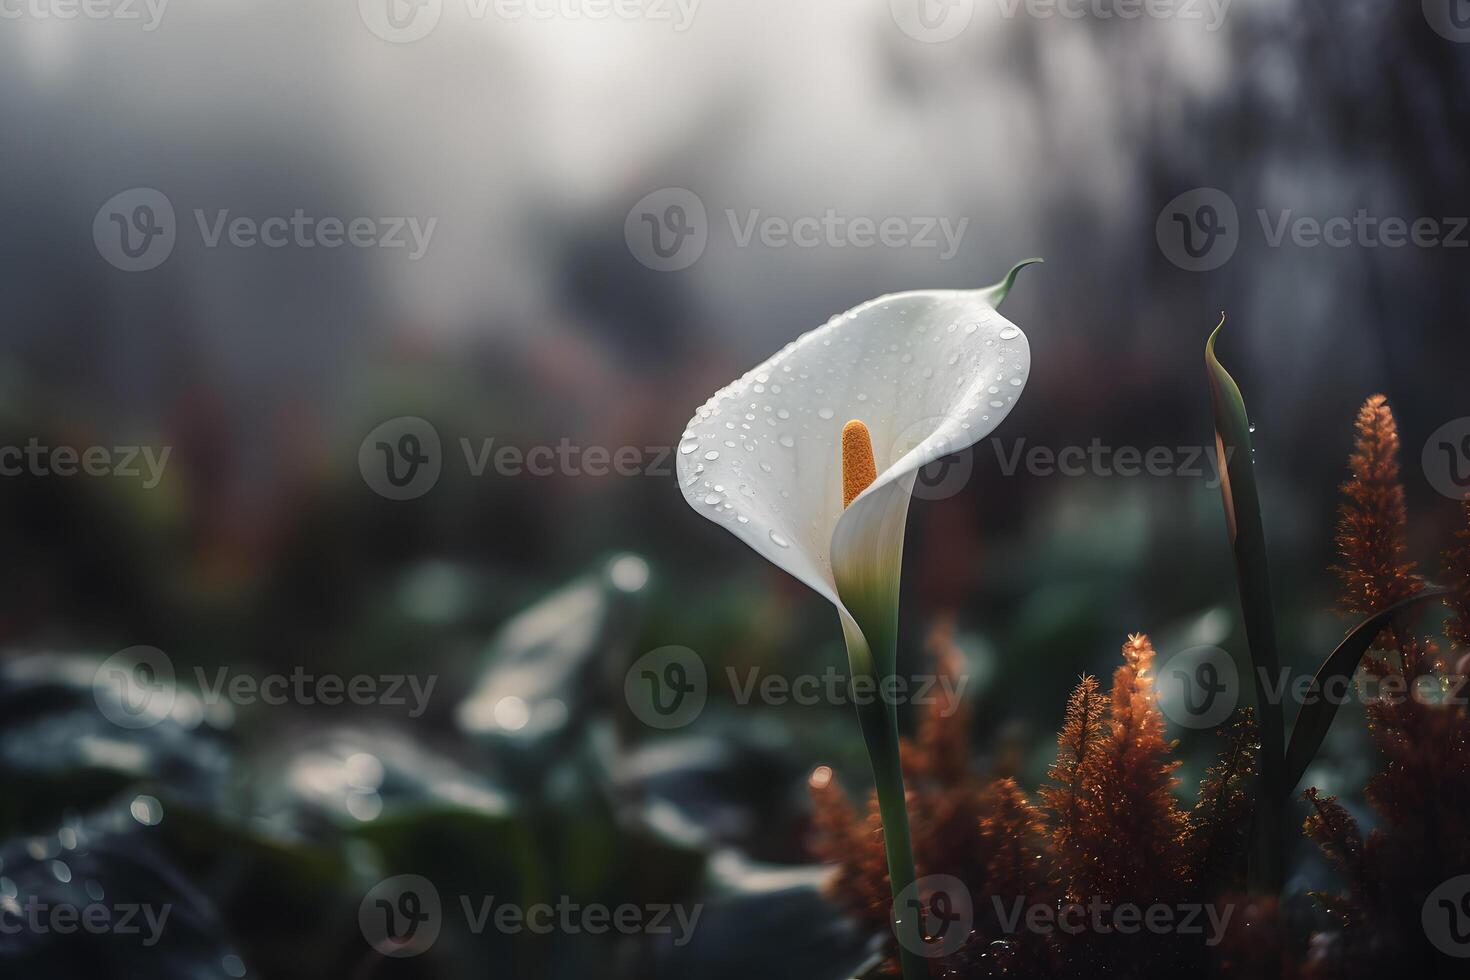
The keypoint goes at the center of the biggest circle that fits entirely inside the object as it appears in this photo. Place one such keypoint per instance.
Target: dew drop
(825, 413)
(779, 540)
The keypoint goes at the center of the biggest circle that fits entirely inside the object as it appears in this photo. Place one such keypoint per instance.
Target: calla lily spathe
(930, 372)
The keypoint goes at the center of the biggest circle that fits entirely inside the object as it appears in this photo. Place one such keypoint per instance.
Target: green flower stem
(879, 722)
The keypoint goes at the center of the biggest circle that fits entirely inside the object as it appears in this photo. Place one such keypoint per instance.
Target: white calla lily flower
(928, 372)
(811, 457)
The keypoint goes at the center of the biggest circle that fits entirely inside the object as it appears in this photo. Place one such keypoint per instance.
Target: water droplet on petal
(779, 540)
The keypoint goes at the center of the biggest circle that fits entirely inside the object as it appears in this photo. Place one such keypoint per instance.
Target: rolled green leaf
(1248, 542)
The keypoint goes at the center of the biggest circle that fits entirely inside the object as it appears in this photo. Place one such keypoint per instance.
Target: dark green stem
(879, 722)
(880, 732)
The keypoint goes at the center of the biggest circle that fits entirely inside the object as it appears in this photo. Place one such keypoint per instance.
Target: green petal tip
(997, 294)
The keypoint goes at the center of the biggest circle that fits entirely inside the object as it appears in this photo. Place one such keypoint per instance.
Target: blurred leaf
(545, 668)
(58, 751)
(752, 911)
(703, 792)
(158, 926)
